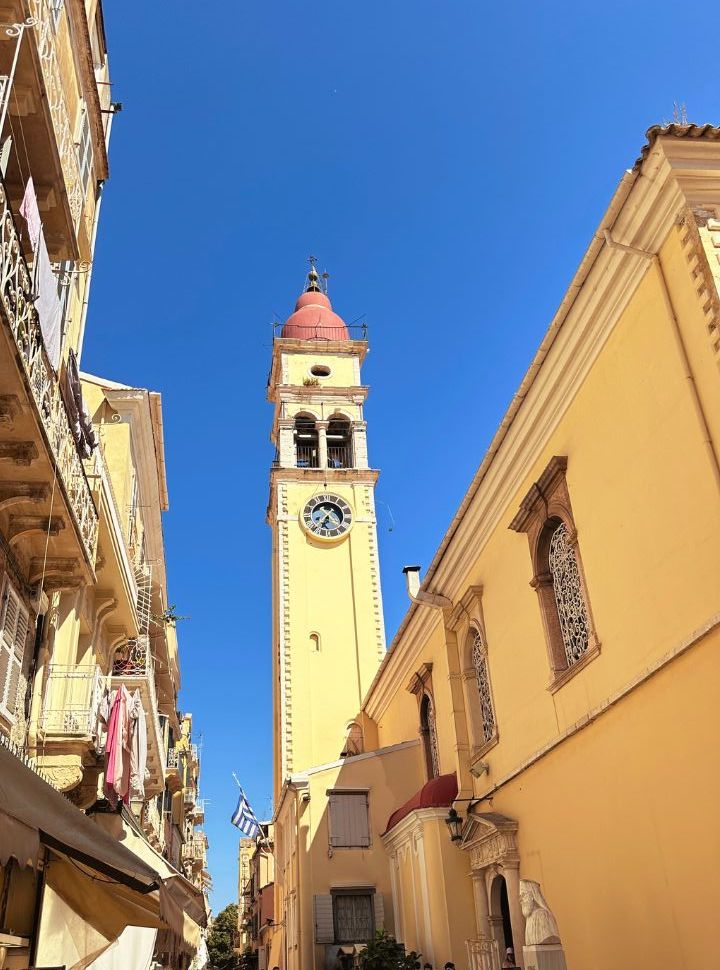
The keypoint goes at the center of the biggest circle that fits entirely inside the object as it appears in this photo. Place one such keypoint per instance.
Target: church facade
(526, 774)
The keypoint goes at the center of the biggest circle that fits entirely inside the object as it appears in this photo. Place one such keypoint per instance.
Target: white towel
(48, 302)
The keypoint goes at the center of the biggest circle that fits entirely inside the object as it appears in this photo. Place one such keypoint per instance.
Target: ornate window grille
(429, 733)
(567, 587)
(487, 713)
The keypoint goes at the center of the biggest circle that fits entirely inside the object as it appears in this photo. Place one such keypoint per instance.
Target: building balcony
(47, 509)
(134, 668)
(195, 850)
(53, 101)
(72, 702)
(152, 824)
(173, 769)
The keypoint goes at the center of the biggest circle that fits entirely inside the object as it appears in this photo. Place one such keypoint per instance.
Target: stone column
(512, 882)
(482, 911)
(286, 443)
(322, 427)
(359, 444)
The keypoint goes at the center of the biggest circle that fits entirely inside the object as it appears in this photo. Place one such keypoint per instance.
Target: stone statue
(540, 925)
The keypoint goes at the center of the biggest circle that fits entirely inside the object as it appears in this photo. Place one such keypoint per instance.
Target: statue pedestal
(544, 956)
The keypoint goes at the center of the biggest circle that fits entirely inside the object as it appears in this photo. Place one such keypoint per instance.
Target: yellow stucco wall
(343, 368)
(600, 823)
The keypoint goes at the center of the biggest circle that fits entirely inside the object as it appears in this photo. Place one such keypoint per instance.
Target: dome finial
(313, 280)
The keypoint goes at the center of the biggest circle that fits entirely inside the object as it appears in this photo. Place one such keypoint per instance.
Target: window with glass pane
(353, 917)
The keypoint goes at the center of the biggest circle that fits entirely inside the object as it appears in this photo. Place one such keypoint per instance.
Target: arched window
(546, 517)
(567, 588)
(339, 443)
(428, 733)
(353, 740)
(482, 676)
(306, 442)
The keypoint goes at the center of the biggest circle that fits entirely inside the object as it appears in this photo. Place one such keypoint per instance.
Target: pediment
(490, 838)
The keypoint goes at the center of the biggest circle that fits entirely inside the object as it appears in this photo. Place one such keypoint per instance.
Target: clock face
(326, 516)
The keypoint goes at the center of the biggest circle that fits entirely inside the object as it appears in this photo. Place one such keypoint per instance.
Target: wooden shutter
(349, 823)
(15, 626)
(379, 911)
(324, 928)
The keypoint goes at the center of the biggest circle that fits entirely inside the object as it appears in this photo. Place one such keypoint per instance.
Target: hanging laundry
(47, 303)
(103, 720)
(117, 752)
(80, 421)
(138, 749)
(31, 214)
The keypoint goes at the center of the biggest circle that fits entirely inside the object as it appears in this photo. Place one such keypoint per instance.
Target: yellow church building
(527, 775)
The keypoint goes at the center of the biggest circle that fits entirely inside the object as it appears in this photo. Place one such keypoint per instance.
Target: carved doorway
(491, 840)
(499, 914)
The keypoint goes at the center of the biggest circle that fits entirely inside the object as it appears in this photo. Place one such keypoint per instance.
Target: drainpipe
(434, 600)
(681, 348)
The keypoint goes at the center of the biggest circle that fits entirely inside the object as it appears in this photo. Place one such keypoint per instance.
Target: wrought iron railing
(22, 318)
(52, 79)
(152, 819)
(356, 331)
(98, 470)
(173, 758)
(339, 456)
(307, 456)
(195, 849)
(483, 954)
(72, 700)
(134, 660)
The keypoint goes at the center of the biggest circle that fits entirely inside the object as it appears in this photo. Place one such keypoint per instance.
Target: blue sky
(447, 163)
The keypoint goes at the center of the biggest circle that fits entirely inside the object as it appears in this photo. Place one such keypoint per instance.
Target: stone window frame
(468, 618)
(544, 507)
(421, 686)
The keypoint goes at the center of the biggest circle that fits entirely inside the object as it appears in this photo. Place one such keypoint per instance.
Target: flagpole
(237, 782)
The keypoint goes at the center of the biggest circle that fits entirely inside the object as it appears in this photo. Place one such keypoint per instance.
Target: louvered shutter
(349, 823)
(379, 911)
(323, 910)
(12, 650)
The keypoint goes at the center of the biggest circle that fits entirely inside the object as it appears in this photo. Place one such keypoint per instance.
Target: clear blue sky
(447, 162)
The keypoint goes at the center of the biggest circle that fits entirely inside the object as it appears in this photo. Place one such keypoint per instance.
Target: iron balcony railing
(72, 700)
(195, 849)
(339, 456)
(173, 759)
(22, 318)
(135, 660)
(152, 820)
(307, 456)
(356, 331)
(483, 954)
(58, 109)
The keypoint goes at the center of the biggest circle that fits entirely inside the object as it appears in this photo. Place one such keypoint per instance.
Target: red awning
(437, 793)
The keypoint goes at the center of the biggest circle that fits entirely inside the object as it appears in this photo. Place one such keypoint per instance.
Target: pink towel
(117, 770)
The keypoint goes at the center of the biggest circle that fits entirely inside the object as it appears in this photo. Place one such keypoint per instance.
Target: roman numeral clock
(327, 517)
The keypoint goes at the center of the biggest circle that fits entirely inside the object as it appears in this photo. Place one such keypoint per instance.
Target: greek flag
(244, 818)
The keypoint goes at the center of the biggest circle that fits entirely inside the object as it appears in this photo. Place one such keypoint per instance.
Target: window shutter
(324, 928)
(379, 911)
(349, 823)
(12, 649)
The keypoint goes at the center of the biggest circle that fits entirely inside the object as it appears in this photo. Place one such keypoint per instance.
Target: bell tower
(328, 634)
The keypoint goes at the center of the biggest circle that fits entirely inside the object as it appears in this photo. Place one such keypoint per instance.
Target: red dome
(437, 793)
(314, 319)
